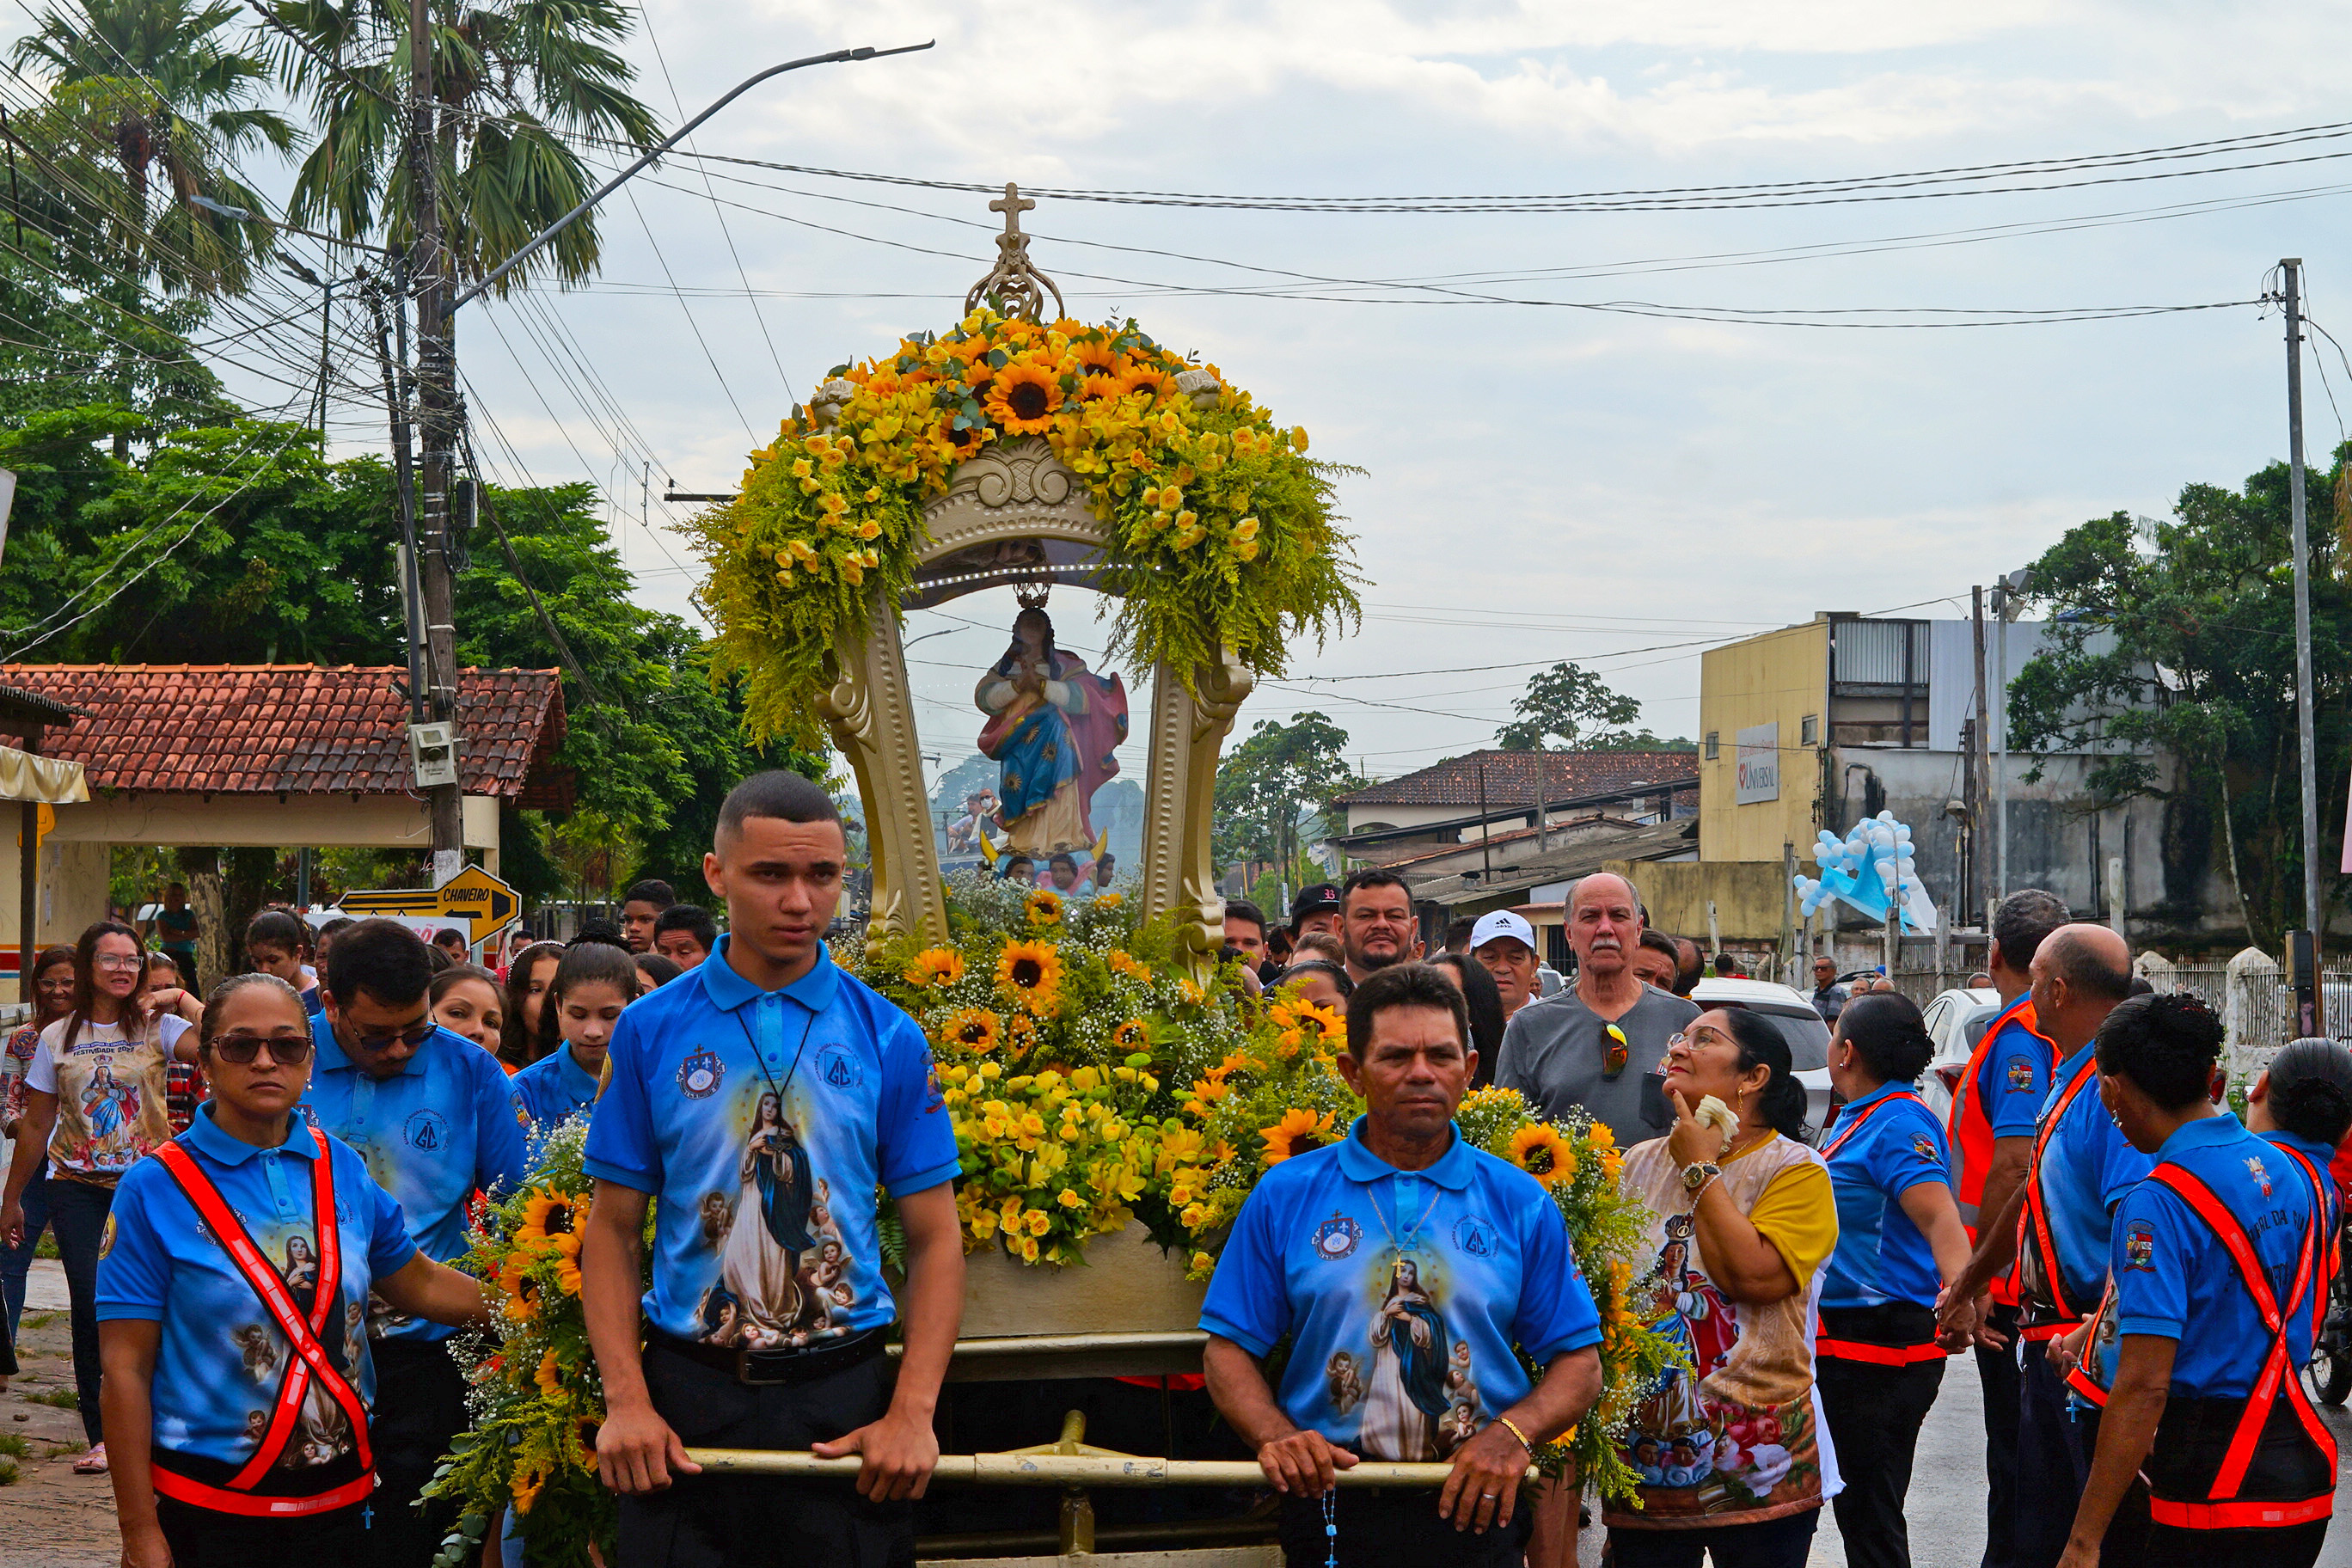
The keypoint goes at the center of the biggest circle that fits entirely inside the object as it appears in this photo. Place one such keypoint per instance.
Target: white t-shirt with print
(111, 1089)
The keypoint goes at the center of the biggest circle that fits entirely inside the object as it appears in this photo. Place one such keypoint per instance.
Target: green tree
(154, 87)
(1264, 785)
(1573, 705)
(2171, 658)
(513, 78)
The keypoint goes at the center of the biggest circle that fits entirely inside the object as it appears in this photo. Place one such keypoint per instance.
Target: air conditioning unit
(433, 748)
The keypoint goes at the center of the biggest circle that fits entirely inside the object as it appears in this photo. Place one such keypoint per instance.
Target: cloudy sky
(1541, 480)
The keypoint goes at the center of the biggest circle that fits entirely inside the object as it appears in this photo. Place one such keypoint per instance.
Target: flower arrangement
(535, 1398)
(1221, 532)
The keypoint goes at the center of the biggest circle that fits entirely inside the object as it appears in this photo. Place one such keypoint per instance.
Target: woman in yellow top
(1732, 1453)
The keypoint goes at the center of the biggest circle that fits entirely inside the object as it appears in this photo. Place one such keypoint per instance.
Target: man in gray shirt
(1599, 1044)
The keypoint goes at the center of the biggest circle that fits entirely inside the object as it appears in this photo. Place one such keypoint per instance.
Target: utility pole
(1980, 740)
(2000, 596)
(436, 404)
(2293, 270)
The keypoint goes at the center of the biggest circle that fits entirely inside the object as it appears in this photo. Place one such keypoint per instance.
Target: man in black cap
(1316, 909)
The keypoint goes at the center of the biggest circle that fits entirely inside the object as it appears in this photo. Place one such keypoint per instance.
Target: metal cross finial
(1014, 285)
(1012, 205)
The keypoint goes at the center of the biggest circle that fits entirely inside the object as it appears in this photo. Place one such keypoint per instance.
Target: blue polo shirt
(2014, 1081)
(2175, 1281)
(2085, 1171)
(1881, 1254)
(1399, 1352)
(762, 1122)
(551, 1090)
(221, 1358)
(445, 1125)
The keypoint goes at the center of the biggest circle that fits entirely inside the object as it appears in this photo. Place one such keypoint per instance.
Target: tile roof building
(1514, 781)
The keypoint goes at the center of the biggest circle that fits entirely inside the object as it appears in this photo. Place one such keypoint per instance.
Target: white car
(1793, 1014)
(1956, 1021)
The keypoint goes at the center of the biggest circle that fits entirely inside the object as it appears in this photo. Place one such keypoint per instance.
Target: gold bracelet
(1513, 1428)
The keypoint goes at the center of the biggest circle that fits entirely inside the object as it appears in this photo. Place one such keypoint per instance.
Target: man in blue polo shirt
(763, 1098)
(433, 1116)
(1407, 1270)
(2080, 1170)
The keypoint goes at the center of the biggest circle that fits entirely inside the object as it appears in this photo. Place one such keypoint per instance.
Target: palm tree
(513, 80)
(151, 89)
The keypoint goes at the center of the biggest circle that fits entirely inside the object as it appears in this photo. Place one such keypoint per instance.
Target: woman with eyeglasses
(1730, 1456)
(97, 1100)
(233, 1306)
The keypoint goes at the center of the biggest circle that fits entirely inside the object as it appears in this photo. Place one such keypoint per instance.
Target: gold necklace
(1415, 1231)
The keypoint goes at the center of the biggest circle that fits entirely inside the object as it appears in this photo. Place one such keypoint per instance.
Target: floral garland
(1091, 1084)
(1222, 532)
(534, 1395)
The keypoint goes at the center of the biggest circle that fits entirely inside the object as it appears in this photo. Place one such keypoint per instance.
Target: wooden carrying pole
(1049, 1469)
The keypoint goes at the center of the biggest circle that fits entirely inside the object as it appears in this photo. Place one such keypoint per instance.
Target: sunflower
(1024, 1032)
(975, 1029)
(1122, 961)
(567, 1274)
(1044, 907)
(549, 1377)
(936, 966)
(522, 1290)
(1023, 397)
(584, 1433)
(1096, 358)
(1149, 379)
(548, 1215)
(1295, 1015)
(1540, 1151)
(525, 1486)
(1131, 1035)
(1031, 972)
(1298, 1130)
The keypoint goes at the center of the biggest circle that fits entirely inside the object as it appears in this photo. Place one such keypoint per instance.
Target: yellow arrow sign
(472, 899)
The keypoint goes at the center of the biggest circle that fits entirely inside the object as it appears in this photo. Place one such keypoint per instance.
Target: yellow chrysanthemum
(1044, 907)
(1032, 973)
(936, 966)
(975, 1029)
(1023, 398)
(1538, 1149)
(546, 1215)
(1299, 1131)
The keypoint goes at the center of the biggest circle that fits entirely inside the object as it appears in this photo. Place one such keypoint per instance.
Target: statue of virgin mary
(1053, 729)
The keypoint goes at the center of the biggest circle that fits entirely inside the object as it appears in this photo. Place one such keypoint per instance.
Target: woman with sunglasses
(233, 1306)
(97, 1100)
(1731, 1460)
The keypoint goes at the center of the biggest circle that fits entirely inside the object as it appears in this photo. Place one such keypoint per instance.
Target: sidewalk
(56, 1518)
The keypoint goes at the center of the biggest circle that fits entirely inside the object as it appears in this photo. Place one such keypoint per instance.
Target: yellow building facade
(1763, 711)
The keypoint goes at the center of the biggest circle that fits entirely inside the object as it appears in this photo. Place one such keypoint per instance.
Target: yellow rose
(1068, 1199)
(1039, 1222)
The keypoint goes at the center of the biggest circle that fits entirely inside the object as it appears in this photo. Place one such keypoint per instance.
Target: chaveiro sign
(473, 901)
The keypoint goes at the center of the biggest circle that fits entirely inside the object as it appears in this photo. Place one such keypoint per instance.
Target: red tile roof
(1512, 777)
(258, 729)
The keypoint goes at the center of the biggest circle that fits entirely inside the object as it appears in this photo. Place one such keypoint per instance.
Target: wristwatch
(1696, 1177)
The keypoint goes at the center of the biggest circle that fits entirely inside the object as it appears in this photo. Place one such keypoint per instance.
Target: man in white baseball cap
(1505, 944)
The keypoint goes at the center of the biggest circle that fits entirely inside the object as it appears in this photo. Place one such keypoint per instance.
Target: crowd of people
(256, 1197)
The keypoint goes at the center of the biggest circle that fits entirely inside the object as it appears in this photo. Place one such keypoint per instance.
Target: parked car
(1956, 1021)
(1791, 1013)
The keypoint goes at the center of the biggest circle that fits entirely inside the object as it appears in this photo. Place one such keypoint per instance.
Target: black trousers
(2168, 1546)
(705, 1521)
(1996, 1372)
(1874, 1414)
(420, 1406)
(2055, 1444)
(1400, 1528)
(1783, 1542)
(203, 1538)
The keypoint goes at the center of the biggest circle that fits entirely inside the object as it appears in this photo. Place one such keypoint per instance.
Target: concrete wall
(71, 893)
(1777, 678)
(1748, 896)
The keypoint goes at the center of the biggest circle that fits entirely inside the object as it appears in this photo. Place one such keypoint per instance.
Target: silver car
(1791, 1013)
(1956, 1021)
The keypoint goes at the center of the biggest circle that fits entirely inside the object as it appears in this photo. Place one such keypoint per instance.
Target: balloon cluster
(1873, 869)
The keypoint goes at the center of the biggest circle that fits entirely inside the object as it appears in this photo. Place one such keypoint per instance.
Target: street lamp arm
(680, 135)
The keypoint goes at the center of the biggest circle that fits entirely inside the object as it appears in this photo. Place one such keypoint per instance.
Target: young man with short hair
(787, 1091)
(1245, 930)
(278, 944)
(1377, 925)
(1657, 962)
(685, 934)
(1406, 1269)
(641, 906)
(434, 1117)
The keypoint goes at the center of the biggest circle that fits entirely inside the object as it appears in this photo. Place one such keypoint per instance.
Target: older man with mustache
(1599, 1044)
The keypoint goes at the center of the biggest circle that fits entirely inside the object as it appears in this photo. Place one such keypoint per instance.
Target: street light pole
(2293, 270)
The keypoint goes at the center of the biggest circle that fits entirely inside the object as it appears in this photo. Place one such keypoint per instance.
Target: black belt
(769, 1368)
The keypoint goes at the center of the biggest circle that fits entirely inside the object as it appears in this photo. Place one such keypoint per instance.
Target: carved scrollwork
(1026, 474)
